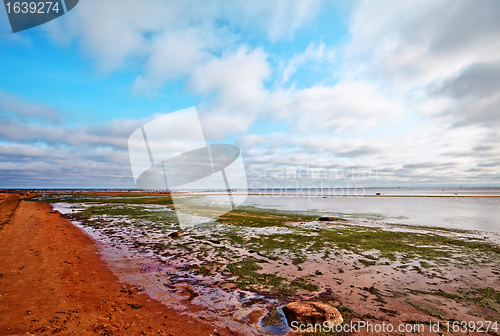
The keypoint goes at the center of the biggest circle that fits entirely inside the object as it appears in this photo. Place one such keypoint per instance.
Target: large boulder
(305, 312)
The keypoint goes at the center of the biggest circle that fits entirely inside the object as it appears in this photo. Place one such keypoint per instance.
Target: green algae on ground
(128, 198)
(304, 239)
(302, 283)
(486, 297)
(391, 245)
(247, 275)
(438, 292)
(272, 318)
(347, 313)
(296, 245)
(256, 217)
(367, 262)
(426, 310)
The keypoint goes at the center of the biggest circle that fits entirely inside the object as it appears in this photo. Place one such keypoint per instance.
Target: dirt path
(52, 281)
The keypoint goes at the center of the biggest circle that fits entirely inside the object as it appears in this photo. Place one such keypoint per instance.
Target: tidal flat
(239, 269)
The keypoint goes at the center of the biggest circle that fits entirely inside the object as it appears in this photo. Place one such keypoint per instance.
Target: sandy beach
(52, 281)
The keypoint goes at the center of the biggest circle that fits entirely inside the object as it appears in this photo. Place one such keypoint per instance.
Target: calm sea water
(457, 208)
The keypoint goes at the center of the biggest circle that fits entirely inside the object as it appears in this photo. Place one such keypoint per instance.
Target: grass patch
(347, 313)
(389, 312)
(302, 283)
(257, 217)
(248, 277)
(367, 262)
(426, 310)
(486, 297)
(121, 198)
(298, 260)
(438, 292)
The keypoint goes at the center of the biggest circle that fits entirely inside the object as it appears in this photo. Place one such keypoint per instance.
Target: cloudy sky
(407, 89)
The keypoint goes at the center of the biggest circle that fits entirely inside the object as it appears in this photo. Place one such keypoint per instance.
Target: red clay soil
(53, 282)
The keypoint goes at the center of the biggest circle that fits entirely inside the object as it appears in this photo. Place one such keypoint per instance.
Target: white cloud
(174, 54)
(240, 75)
(344, 106)
(17, 107)
(113, 31)
(276, 19)
(414, 43)
(313, 52)
(236, 80)
(113, 134)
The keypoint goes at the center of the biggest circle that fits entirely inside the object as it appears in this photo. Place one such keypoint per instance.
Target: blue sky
(397, 88)
(44, 72)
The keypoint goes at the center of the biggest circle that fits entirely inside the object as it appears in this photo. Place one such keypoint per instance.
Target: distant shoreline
(267, 192)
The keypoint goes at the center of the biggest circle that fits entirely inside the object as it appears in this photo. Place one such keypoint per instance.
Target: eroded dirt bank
(52, 281)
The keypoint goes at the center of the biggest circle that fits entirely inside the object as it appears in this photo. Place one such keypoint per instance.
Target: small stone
(327, 219)
(176, 234)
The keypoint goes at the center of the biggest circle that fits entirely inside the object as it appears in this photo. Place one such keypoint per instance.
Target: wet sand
(52, 281)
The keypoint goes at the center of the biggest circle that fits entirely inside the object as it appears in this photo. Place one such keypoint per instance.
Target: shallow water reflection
(469, 213)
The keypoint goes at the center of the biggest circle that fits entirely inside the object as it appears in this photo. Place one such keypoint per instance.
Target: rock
(327, 219)
(176, 234)
(138, 288)
(378, 194)
(28, 193)
(305, 312)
